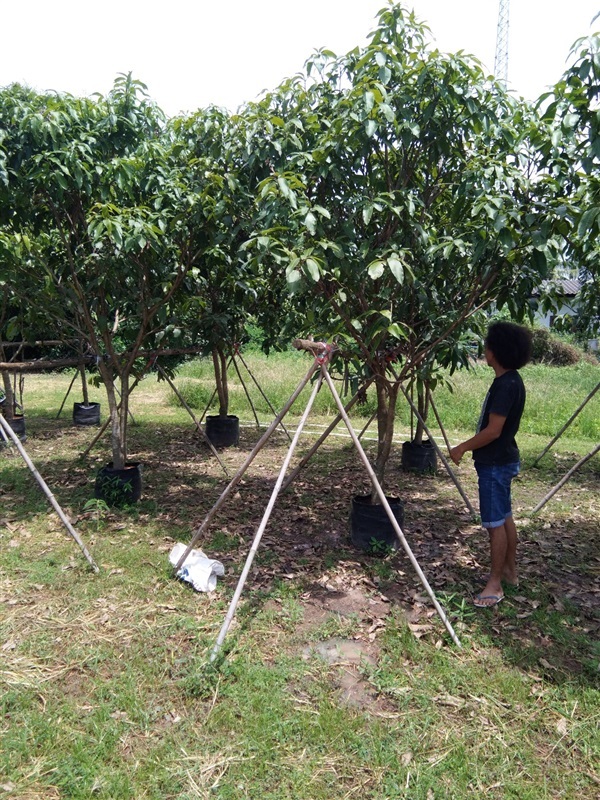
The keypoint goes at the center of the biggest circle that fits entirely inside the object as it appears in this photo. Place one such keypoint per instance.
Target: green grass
(107, 690)
(553, 394)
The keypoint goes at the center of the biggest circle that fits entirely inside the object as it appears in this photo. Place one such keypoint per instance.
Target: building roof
(566, 287)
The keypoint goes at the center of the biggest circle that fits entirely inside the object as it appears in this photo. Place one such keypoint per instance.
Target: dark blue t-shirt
(505, 397)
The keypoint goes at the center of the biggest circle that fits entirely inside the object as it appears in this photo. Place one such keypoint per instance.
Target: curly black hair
(510, 344)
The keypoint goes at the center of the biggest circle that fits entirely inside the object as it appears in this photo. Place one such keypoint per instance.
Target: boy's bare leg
(498, 550)
(509, 573)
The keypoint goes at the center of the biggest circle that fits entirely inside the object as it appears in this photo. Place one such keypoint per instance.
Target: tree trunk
(220, 366)
(119, 452)
(8, 407)
(423, 408)
(84, 385)
(387, 395)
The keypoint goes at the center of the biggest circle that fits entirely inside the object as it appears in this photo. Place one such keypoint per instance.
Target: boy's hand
(457, 453)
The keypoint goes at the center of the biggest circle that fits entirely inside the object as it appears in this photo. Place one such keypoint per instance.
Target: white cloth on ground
(197, 569)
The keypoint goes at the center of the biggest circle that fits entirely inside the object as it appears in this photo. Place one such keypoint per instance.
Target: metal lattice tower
(501, 60)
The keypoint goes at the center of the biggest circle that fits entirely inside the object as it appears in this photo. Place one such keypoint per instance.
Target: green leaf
(384, 75)
(311, 223)
(388, 112)
(367, 213)
(397, 331)
(376, 269)
(313, 269)
(586, 221)
(294, 276)
(397, 268)
(370, 128)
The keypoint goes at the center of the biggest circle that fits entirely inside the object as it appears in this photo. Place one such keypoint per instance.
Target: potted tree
(385, 220)
(418, 454)
(85, 413)
(112, 224)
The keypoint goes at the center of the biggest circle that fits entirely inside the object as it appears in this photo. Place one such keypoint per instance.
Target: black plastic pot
(119, 487)
(223, 431)
(419, 457)
(370, 527)
(86, 414)
(17, 423)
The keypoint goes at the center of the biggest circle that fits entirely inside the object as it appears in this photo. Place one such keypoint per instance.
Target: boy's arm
(489, 434)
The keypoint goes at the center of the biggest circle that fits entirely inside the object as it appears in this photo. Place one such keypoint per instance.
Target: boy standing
(495, 452)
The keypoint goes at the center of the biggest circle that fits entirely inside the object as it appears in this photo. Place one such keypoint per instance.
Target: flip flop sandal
(494, 598)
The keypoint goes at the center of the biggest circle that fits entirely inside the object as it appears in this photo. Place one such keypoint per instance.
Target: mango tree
(408, 206)
(95, 192)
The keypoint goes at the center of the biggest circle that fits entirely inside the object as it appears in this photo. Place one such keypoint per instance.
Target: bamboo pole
(366, 427)
(384, 502)
(263, 523)
(8, 430)
(443, 458)
(67, 394)
(566, 425)
(325, 434)
(244, 387)
(439, 421)
(563, 480)
(212, 397)
(241, 471)
(264, 396)
(4, 436)
(191, 413)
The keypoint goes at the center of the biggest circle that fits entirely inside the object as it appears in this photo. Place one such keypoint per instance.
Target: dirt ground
(307, 542)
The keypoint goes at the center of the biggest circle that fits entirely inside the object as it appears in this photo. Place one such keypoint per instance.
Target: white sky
(192, 53)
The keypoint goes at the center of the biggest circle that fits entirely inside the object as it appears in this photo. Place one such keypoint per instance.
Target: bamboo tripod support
(258, 386)
(15, 439)
(261, 529)
(62, 405)
(321, 362)
(241, 471)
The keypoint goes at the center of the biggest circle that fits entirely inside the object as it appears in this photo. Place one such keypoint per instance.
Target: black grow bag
(86, 414)
(419, 457)
(370, 527)
(119, 487)
(17, 423)
(223, 431)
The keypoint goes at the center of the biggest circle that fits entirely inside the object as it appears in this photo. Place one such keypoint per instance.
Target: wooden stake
(8, 430)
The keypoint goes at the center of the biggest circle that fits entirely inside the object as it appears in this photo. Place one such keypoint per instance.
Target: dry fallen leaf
(562, 726)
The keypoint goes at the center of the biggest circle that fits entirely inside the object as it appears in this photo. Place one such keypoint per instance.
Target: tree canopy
(383, 198)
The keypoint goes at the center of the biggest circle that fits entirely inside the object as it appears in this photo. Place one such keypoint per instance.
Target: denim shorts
(494, 492)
